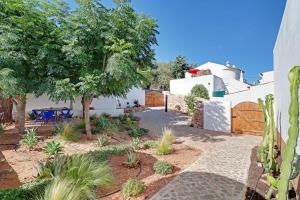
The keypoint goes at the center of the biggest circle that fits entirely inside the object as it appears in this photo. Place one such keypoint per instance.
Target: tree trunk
(21, 105)
(87, 102)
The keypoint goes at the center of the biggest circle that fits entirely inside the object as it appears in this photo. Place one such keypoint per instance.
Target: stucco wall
(252, 94)
(217, 116)
(286, 55)
(100, 104)
(184, 86)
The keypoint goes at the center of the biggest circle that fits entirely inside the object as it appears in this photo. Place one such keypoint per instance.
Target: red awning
(193, 71)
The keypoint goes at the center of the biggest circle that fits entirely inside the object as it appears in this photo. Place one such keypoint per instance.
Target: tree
(162, 75)
(106, 51)
(179, 67)
(29, 48)
(200, 90)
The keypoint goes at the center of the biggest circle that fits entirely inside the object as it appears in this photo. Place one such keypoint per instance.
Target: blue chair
(66, 114)
(48, 116)
(37, 116)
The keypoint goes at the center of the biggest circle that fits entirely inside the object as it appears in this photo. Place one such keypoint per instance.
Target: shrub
(102, 140)
(190, 103)
(123, 118)
(2, 128)
(53, 148)
(27, 191)
(163, 148)
(133, 187)
(132, 159)
(61, 189)
(106, 152)
(82, 170)
(103, 122)
(79, 126)
(168, 136)
(162, 167)
(149, 144)
(30, 139)
(70, 134)
(58, 128)
(135, 142)
(138, 132)
(200, 90)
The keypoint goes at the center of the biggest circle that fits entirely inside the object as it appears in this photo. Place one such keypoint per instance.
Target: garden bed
(18, 167)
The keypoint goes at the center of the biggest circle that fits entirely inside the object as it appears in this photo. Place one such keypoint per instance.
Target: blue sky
(242, 32)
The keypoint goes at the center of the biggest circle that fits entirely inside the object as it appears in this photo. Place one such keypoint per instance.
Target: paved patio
(222, 169)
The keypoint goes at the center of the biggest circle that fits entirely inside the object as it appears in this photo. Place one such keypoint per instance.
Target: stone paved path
(222, 169)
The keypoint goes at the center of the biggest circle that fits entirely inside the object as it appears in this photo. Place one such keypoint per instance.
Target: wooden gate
(154, 98)
(6, 107)
(247, 118)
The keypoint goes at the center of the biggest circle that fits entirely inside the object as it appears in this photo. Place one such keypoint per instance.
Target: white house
(215, 77)
(266, 77)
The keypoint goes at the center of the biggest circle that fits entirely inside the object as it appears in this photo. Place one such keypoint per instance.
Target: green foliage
(289, 153)
(106, 152)
(168, 136)
(135, 143)
(53, 148)
(102, 140)
(103, 122)
(190, 102)
(82, 170)
(163, 147)
(133, 188)
(138, 132)
(58, 128)
(2, 128)
(179, 67)
(200, 91)
(149, 144)
(79, 126)
(27, 191)
(61, 189)
(132, 159)
(69, 134)
(30, 139)
(162, 75)
(31, 116)
(162, 167)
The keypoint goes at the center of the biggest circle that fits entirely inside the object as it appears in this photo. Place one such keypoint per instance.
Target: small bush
(102, 140)
(103, 122)
(135, 143)
(190, 102)
(2, 128)
(133, 188)
(138, 132)
(53, 148)
(27, 191)
(132, 160)
(62, 189)
(162, 167)
(106, 152)
(70, 134)
(168, 136)
(123, 118)
(79, 126)
(30, 139)
(58, 128)
(163, 148)
(200, 90)
(149, 144)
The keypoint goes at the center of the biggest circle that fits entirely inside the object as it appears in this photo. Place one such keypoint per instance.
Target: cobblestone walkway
(222, 169)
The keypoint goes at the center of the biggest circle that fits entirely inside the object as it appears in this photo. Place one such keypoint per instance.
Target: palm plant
(102, 140)
(132, 159)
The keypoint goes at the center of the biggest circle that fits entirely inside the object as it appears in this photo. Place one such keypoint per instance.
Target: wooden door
(247, 118)
(154, 98)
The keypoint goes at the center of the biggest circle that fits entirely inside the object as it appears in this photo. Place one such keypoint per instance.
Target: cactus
(293, 132)
(266, 150)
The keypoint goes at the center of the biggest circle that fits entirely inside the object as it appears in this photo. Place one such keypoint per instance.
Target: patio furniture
(48, 116)
(37, 115)
(66, 114)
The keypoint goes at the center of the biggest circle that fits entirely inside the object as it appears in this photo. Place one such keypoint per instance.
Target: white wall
(286, 55)
(217, 116)
(266, 77)
(252, 94)
(100, 104)
(184, 86)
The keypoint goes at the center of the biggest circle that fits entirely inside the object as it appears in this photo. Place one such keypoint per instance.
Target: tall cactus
(289, 152)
